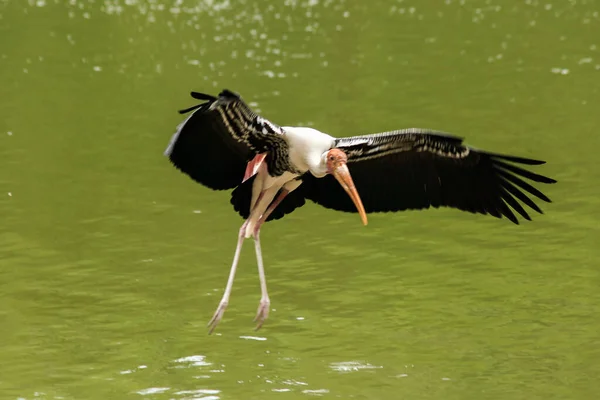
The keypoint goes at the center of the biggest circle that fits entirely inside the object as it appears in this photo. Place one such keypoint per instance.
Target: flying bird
(223, 144)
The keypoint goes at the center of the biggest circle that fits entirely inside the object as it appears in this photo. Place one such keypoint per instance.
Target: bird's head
(336, 161)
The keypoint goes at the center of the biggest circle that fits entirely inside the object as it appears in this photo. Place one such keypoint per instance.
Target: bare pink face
(336, 166)
(335, 158)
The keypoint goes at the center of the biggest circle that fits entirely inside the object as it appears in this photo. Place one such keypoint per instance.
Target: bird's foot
(214, 321)
(263, 311)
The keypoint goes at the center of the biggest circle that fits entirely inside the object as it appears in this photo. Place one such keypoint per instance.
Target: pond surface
(112, 262)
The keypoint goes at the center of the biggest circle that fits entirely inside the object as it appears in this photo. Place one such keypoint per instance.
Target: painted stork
(273, 169)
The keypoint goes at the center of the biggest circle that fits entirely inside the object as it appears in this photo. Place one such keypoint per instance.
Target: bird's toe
(216, 318)
(262, 313)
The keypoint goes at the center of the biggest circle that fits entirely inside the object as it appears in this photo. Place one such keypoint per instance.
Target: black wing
(418, 169)
(214, 144)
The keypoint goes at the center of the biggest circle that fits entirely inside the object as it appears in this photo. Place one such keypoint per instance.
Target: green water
(112, 262)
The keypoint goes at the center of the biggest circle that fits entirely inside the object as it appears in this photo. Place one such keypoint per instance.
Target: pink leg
(212, 324)
(263, 307)
(225, 299)
(265, 302)
(269, 210)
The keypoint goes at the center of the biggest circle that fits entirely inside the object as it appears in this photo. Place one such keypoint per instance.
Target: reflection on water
(112, 262)
(192, 361)
(205, 394)
(349, 366)
(129, 371)
(253, 338)
(152, 391)
(200, 375)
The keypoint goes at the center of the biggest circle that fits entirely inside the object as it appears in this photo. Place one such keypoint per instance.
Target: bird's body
(307, 147)
(223, 144)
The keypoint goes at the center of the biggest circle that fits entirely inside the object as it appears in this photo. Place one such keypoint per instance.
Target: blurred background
(112, 261)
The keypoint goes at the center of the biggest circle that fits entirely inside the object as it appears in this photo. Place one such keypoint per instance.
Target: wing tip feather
(516, 159)
(230, 94)
(202, 96)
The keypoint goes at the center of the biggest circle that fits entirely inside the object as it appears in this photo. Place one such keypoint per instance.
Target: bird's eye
(331, 158)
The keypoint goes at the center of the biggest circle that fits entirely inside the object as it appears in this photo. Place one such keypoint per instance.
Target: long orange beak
(342, 175)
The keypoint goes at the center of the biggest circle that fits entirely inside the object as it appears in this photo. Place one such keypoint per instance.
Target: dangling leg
(212, 324)
(251, 227)
(263, 307)
(214, 321)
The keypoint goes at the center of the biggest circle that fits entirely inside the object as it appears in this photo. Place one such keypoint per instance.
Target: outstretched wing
(214, 144)
(418, 169)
